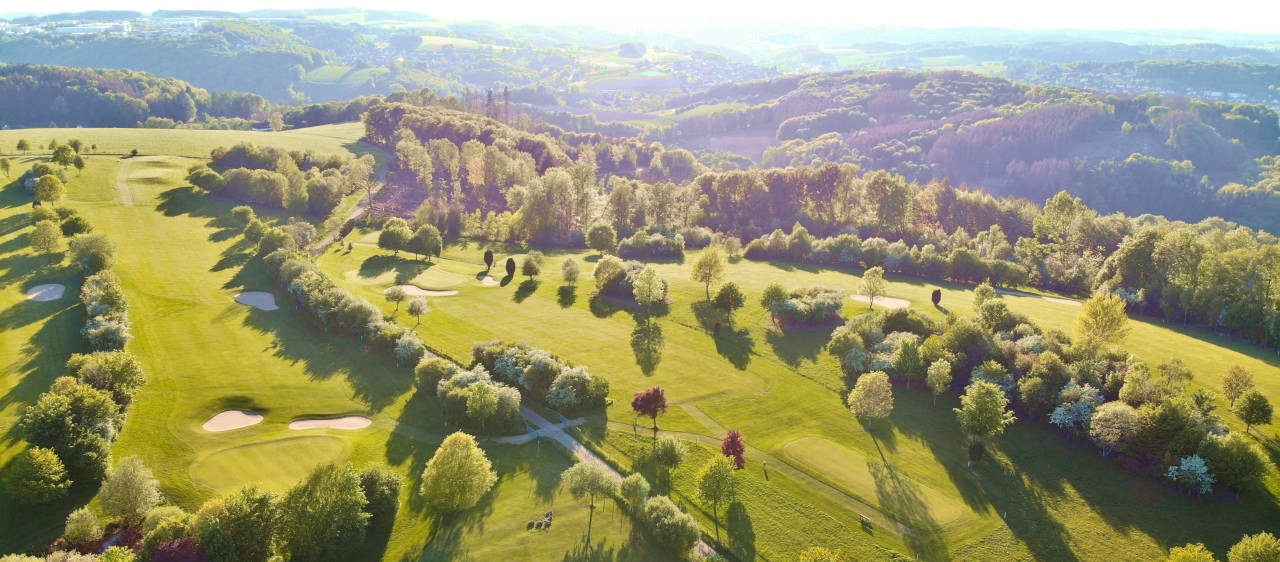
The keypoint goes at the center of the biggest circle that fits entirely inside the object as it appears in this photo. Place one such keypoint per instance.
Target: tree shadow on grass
(646, 343)
(795, 346)
(42, 357)
(525, 289)
(506, 280)
(741, 533)
(406, 269)
(736, 345)
(566, 296)
(901, 497)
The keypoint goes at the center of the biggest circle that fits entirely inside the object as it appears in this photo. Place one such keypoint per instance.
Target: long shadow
(646, 343)
(525, 289)
(406, 269)
(566, 296)
(902, 498)
(42, 357)
(795, 346)
(742, 534)
(602, 307)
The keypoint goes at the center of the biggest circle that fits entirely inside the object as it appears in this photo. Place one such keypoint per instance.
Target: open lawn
(1036, 496)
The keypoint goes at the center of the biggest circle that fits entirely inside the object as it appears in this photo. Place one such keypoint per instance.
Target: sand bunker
(231, 419)
(415, 291)
(488, 281)
(884, 302)
(345, 422)
(47, 292)
(258, 299)
(1011, 292)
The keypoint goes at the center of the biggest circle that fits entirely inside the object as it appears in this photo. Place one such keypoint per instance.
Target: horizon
(1145, 16)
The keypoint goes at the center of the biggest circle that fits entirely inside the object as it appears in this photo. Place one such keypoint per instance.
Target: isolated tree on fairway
(37, 476)
(129, 491)
(323, 517)
(873, 285)
(647, 288)
(735, 448)
(511, 267)
(1253, 409)
(396, 295)
(602, 238)
(651, 402)
(78, 162)
(45, 237)
(426, 241)
(982, 412)
(417, 307)
(570, 270)
(1102, 323)
(773, 294)
(709, 268)
(1235, 383)
(23, 145)
(457, 475)
(49, 189)
(936, 296)
(729, 299)
(1262, 547)
(482, 402)
(871, 397)
(488, 260)
(394, 236)
(717, 484)
(532, 265)
(589, 478)
(63, 155)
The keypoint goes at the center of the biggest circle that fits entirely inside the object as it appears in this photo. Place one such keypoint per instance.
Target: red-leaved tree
(733, 446)
(652, 403)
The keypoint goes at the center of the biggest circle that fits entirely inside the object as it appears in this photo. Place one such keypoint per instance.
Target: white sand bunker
(345, 422)
(488, 281)
(231, 419)
(46, 292)
(886, 302)
(260, 300)
(415, 291)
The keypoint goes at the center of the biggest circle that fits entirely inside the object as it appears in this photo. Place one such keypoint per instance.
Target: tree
(457, 475)
(1113, 426)
(982, 412)
(1235, 383)
(63, 155)
(1235, 460)
(482, 402)
(381, 488)
(239, 527)
(82, 527)
(734, 447)
(936, 296)
(78, 162)
(1262, 547)
(532, 265)
(488, 260)
(322, 517)
(907, 362)
(395, 294)
(602, 238)
(871, 397)
(668, 452)
(1192, 473)
(395, 234)
(45, 237)
(716, 484)
(37, 476)
(4, 165)
(1102, 323)
(426, 241)
(417, 307)
(570, 270)
(634, 490)
(511, 267)
(651, 402)
(49, 189)
(93, 252)
(672, 528)
(590, 478)
(75, 225)
(709, 268)
(647, 288)
(1253, 409)
(130, 491)
(938, 378)
(1190, 553)
(873, 284)
(729, 299)
(23, 145)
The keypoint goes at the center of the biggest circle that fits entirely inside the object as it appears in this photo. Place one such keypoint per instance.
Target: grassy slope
(1060, 499)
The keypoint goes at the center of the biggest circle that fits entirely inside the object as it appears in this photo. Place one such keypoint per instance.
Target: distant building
(120, 29)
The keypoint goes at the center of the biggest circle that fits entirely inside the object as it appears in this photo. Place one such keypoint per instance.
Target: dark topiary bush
(511, 267)
(937, 296)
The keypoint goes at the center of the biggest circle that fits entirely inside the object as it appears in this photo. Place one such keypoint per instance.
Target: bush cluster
(543, 375)
(496, 406)
(808, 306)
(655, 245)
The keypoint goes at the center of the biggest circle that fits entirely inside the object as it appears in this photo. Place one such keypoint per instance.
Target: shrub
(431, 371)
(75, 225)
(808, 306)
(82, 527)
(671, 527)
(381, 492)
(651, 245)
(93, 252)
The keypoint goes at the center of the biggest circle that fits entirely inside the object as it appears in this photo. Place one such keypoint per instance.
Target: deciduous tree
(129, 491)
(323, 517)
(871, 397)
(1235, 383)
(395, 294)
(1253, 409)
(717, 484)
(37, 476)
(1102, 323)
(938, 378)
(457, 475)
(651, 402)
(982, 412)
(570, 270)
(589, 478)
(873, 285)
(45, 237)
(49, 189)
(1262, 547)
(709, 268)
(735, 448)
(602, 238)
(417, 307)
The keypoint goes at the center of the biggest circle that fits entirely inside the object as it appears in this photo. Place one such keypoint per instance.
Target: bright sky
(1257, 16)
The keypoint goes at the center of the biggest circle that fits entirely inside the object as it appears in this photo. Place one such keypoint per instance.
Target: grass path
(122, 183)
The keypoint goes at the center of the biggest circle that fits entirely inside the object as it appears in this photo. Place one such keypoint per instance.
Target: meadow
(812, 469)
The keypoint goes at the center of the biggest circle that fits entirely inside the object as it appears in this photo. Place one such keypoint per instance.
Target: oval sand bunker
(46, 292)
(488, 281)
(231, 419)
(260, 300)
(345, 422)
(415, 291)
(885, 302)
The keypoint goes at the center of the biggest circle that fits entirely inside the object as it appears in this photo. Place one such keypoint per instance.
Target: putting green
(275, 465)
(869, 478)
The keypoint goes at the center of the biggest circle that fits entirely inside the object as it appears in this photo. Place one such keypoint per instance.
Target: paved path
(1058, 300)
(355, 213)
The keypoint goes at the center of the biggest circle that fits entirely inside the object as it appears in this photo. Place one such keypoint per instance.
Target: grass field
(1037, 496)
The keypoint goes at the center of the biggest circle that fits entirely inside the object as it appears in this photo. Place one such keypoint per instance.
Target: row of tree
(301, 182)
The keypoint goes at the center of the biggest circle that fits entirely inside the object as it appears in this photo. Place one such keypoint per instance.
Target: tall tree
(323, 518)
(716, 484)
(1102, 323)
(873, 285)
(395, 294)
(45, 237)
(938, 378)
(457, 475)
(1253, 409)
(482, 402)
(651, 402)
(982, 412)
(590, 478)
(709, 268)
(1235, 383)
(417, 307)
(49, 189)
(570, 270)
(773, 294)
(130, 491)
(37, 476)
(871, 397)
(647, 288)
(735, 448)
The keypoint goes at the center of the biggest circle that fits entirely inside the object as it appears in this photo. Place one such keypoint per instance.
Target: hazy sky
(1259, 16)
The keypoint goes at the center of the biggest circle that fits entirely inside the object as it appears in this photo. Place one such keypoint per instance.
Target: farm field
(1037, 495)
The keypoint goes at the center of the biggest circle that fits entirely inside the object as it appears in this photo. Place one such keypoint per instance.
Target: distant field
(195, 143)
